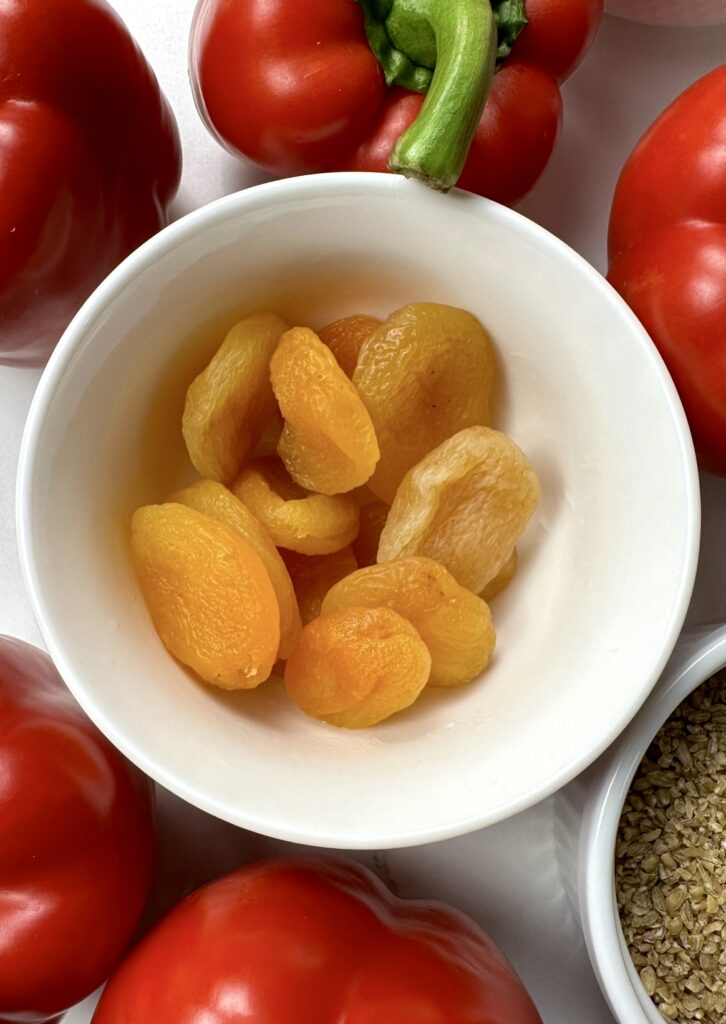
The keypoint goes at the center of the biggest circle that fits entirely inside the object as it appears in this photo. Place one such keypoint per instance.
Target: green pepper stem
(435, 147)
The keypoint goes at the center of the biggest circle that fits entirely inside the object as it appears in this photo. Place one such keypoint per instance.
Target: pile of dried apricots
(363, 553)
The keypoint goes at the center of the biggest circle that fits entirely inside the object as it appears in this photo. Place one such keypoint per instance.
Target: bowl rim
(700, 653)
(348, 185)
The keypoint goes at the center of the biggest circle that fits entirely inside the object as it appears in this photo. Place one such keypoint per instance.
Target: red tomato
(667, 246)
(296, 942)
(76, 843)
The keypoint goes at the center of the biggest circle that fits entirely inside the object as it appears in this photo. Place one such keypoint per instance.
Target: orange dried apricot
(355, 667)
(345, 339)
(502, 579)
(328, 443)
(229, 404)
(313, 524)
(208, 593)
(464, 505)
(314, 575)
(372, 520)
(455, 624)
(215, 500)
(424, 374)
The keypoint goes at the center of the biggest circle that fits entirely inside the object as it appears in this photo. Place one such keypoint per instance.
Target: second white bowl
(700, 653)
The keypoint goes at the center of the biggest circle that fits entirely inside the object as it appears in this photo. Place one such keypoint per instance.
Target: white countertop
(505, 876)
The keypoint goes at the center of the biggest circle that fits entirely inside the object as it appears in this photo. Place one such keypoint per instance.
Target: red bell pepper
(667, 247)
(89, 160)
(76, 843)
(296, 942)
(297, 87)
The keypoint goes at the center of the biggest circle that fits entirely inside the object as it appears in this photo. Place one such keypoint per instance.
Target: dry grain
(670, 861)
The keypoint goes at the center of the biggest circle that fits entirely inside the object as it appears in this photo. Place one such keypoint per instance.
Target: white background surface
(506, 876)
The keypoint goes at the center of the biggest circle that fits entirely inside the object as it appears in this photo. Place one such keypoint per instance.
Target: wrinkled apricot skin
(214, 500)
(355, 667)
(464, 505)
(208, 593)
(455, 624)
(311, 524)
(229, 404)
(314, 575)
(372, 520)
(426, 373)
(328, 443)
(346, 337)
(502, 579)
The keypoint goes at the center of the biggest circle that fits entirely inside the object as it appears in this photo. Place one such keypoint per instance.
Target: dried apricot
(424, 374)
(372, 520)
(502, 579)
(215, 500)
(355, 667)
(345, 339)
(229, 404)
(208, 593)
(328, 443)
(464, 505)
(455, 624)
(314, 575)
(313, 524)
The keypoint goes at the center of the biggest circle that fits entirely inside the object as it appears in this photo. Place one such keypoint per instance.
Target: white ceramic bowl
(699, 654)
(606, 566)
(669, 12)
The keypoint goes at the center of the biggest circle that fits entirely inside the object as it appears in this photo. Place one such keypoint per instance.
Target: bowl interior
(606, 565)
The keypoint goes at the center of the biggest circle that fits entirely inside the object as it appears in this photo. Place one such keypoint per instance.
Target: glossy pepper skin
(313, 942)
(76, 843)
(667, 248)
(89, 161)
(296, 87)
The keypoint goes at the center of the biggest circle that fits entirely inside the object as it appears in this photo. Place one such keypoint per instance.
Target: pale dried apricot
(424, 374)
(373, 516)
(229, 404)
(208, 593)
(464, 505)
(455, 624)
(355, 667)
(314, 575)
(215, 500)
(313, 524)
(345, 339)
(328, 443)
(502, 579)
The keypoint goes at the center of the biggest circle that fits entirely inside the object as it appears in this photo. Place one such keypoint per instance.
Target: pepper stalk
(448, 50)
